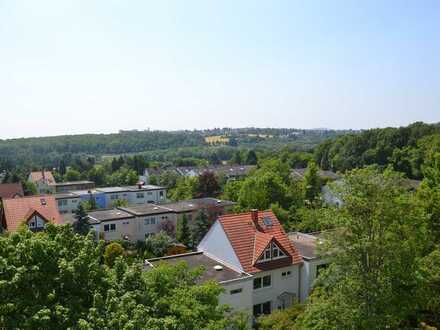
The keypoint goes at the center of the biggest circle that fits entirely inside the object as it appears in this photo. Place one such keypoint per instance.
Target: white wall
(239, 301)
(142, 229)
(216, 244)
(278, 286)
(70, 205)
(308, 276)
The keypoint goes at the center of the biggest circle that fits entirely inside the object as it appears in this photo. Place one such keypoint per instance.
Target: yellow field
(217, 139)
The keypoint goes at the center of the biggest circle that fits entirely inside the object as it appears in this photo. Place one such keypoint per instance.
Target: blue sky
(99, 66)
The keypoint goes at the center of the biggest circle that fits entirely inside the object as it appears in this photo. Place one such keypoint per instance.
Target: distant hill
(47, 151)
(406, 149)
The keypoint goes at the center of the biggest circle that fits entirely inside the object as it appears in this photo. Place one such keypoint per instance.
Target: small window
(236, 291)
(106, 227)
(161, 193)
(149, 193)
(140, 195)
(286, 274)
(112, 226)
(257, 283)
(264, 308)
(267, 281)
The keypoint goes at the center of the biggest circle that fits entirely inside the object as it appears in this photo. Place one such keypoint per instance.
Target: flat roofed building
(237, 285)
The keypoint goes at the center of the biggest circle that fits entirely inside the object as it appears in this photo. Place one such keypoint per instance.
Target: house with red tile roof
(11, 190)
(256, 243)
(43, 180)
(34, 211)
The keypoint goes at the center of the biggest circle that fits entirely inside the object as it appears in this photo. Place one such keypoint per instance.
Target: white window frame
(268, 253)
(261, 279)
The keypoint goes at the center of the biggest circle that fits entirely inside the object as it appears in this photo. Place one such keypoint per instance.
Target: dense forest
(406, 149)
(156, 145)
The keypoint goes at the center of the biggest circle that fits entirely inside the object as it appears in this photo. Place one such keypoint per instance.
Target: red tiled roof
(18, 210)
(11, 190)
(38, 175)
(247, 241)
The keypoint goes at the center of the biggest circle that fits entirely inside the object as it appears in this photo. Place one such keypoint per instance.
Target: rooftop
(306, 244)
(107, 215)
(196, 259)
(11, 190)
(113, 189)
(19, 210)
(144, 187)
(39, 175)
(250, 232)
(146, 209)
(197, 204)
(73, 183)
(65, 195)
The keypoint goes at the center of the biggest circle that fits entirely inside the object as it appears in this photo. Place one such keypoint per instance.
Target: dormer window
(272, 252)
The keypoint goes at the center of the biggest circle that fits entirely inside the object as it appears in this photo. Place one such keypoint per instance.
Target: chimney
(139, 185)
(254, 216)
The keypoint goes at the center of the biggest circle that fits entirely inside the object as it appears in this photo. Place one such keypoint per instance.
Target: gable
(250, 238)
(216, 244)
(272, 251)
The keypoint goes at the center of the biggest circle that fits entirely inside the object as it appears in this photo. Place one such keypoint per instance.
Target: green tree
(186, 188)
(312, 182)
(81, 225)
(372, 281)
(207, 185)
(48, 278)
(263, 189)
(183, 232)
(281, 319)
(72, 175)
(251, 158)
(158, 244)
(112, 252)
(200, 228)
(29, 188)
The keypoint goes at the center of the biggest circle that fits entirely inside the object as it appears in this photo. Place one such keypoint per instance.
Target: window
(140, 195)
(149, 193)
(264, 308)
(161, 193)
(126, 222)
(165, 217)
(62, 202)
(286, 274)
(236, 291)
(113, 197)
(262, 282)
(149, 221)
(272, 252)
(110, 227)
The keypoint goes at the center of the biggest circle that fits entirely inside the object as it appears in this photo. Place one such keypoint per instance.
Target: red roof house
(257, 241)
(33, 210)
(11, 190)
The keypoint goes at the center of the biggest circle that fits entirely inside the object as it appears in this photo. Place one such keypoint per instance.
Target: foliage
(183, 232)
(120, 203)
(112, 252)
(81, 225)
(72, 175)
(201, 227)
(281, 319)
(312, 182)
(207, 185)
(186, 188)
(231, 190)
(381, 234)
(407, 149)
(48, 279)
(158, 244)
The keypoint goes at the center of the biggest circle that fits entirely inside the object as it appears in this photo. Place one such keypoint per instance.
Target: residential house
(44, 181)
(313, 263)
(106, 197)
(34, 211)
(11, 190)
(264, 263)
(146, 219)
(238, 285)
(230, 172)
(62, 187)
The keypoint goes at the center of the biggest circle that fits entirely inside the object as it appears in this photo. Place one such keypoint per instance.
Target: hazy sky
(100, 66)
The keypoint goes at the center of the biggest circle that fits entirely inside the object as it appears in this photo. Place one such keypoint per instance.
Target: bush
(112, 252)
